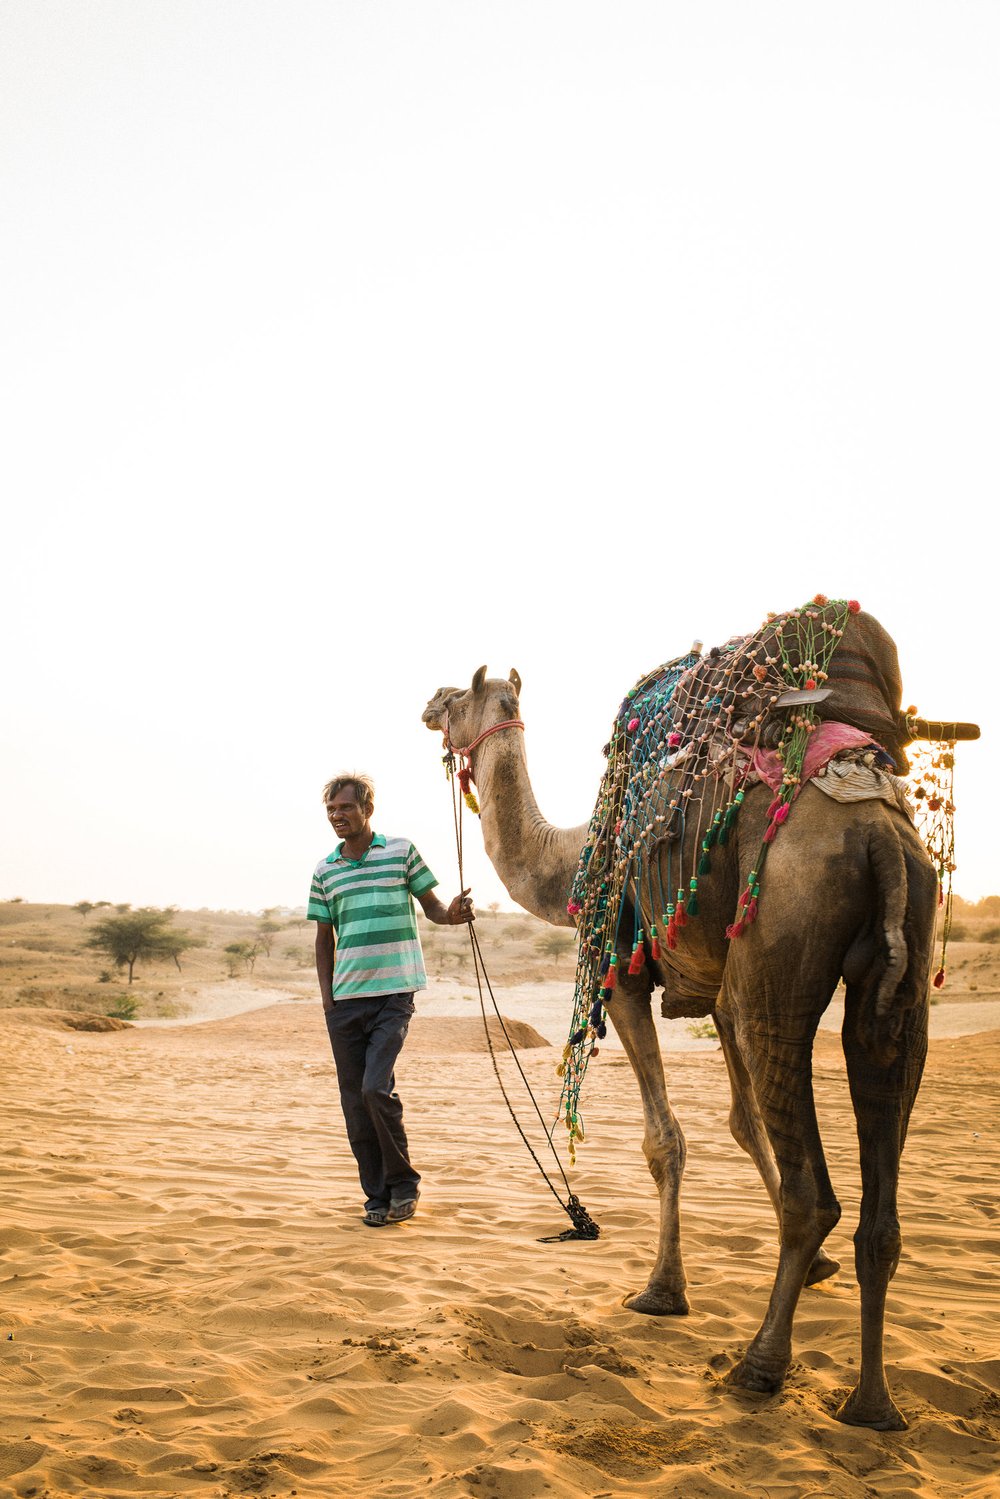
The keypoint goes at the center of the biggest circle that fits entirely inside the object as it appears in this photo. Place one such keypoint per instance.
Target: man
(369, 963)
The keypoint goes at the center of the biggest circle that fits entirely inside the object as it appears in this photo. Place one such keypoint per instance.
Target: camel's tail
(897, 979)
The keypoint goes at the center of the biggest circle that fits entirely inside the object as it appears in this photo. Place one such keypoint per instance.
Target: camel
(850, 892)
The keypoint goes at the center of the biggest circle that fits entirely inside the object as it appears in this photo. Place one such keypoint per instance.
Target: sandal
(400, 1211)
(375, 1218)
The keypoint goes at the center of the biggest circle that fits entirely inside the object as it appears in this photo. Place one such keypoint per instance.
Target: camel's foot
(821, 1268)
(655, 1303)
(881, 1414)
(758, 1374)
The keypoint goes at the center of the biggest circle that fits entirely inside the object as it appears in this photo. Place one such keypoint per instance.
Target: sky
(347, 347)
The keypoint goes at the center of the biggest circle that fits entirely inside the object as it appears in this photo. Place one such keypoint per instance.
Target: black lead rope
(584, 1226)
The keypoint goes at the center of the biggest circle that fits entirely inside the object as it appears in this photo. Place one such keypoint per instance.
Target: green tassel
(692, 901)
(704, 865)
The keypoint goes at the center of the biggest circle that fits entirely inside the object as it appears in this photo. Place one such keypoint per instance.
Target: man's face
(347, 817)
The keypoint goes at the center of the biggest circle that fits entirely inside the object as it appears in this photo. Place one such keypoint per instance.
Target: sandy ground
(192, 1306)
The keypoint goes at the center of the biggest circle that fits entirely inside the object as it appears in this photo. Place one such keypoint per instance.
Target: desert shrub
(702, 1030)
(991, 934)
(123, 1007)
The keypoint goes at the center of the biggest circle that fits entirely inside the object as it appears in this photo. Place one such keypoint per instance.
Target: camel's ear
(479, 679)
(515, 680)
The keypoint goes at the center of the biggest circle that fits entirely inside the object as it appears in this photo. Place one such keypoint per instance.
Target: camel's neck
(535, 861)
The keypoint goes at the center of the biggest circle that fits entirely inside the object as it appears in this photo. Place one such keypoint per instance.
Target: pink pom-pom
(633, 724)
(673, 740)
(573, 907)
(854, 606)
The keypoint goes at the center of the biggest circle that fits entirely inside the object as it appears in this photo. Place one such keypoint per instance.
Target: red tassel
(782, 813)
(638, 959)
(772, 809)
(611, 978)
(751, 912)
(770, 831)
(939, 979)
(736, 930)
(672, 934)
(655, 948)
(464, 777)
(681, 919)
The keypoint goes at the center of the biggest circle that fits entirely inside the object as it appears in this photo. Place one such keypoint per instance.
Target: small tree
(139, 936)
(241, 952)
(125, 906)
(265, 935)
(84, 907)
(554, 944)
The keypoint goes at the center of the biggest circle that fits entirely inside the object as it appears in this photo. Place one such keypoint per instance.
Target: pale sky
(346, 347)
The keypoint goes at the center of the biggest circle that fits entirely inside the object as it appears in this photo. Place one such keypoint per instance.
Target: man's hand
(461, 909)
(459, 913)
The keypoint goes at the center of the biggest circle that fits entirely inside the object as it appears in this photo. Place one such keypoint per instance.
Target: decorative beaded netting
(680, 751)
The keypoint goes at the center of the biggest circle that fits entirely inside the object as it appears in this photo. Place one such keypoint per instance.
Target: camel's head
(465, 713)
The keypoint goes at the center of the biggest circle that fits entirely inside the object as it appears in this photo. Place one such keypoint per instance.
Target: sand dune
(191, 1304)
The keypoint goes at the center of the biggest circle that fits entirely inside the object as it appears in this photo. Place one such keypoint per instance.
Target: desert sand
(192, 1305)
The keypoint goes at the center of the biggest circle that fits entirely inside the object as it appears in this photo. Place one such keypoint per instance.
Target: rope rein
(584, 1226)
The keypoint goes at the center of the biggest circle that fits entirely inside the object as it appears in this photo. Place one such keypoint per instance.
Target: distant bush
(991, 934)
(702, 1030)
(123, 1008)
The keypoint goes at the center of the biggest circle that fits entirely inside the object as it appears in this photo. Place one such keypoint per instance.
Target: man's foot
(375, 1218)
(400, 1209)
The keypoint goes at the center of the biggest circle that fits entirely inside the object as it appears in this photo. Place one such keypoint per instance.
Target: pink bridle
(466, 753)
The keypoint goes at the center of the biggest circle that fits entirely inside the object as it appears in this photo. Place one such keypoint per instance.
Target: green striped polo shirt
(369, 904)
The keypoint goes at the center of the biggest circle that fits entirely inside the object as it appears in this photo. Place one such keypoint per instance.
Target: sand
(192, 1306)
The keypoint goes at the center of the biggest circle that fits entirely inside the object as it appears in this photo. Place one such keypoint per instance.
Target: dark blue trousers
(367, 1036)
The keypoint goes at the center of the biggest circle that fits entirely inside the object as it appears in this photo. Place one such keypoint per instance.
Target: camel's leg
(883, 1098)
(748, 1131)
(663, 1144)
(781, 1071)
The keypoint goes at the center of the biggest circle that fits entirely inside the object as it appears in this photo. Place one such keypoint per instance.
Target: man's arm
(326, 947)
(459, 913)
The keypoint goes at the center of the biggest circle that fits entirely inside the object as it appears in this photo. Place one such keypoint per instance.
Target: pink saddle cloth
(828, 740)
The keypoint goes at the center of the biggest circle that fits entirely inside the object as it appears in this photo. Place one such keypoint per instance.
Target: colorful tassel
(939, 979)
(682, 916)
(638, 961)
(654, 944)
(692, 900)
(611, 978)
